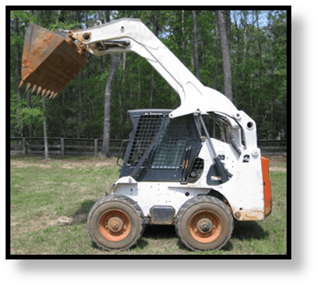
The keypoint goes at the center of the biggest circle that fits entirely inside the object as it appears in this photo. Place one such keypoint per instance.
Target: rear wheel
(115, 222)
(204, 223)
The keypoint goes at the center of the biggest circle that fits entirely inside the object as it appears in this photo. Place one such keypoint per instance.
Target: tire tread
(119, 198)
(196, 200)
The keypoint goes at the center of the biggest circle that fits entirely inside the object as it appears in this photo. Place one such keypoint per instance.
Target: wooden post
(24, 147)
(95, 146)
(62, 147)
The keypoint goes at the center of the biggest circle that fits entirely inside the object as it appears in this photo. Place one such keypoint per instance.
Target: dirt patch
(278, 169)
(21, 164)
(103, 164)
(39, 222)
(42, 221)
(70, 184)
(67, 166)
(64, 220)
(69, 163)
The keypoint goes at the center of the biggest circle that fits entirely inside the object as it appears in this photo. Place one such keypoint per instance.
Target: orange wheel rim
(114, 225)
(205, 226)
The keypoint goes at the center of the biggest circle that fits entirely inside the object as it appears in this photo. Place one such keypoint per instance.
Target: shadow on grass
(155, 232)
(142, 243)
(248, 230)
(168, 232)
(162, 232)
(242, 231)
(80, 216)
(159, 232)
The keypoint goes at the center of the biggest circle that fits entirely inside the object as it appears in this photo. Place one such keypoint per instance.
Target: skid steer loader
(174, 171)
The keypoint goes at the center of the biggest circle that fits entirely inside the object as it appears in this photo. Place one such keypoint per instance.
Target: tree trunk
(120, 108)
(225, 56)
(18, 78)
(62, 16)
(203, 52)
(101, 64)
(29, 101)
(217, 52)
(195, 44)
(45, 138)
(29, 106)
(105, 151)
(122, 97)
(87, 19)
(101, 57)
(152, 89)
(260, 68)
(237, 74)
(183, 40)
(139, 85)
(245, 53)
(228, 25)
(80, 105)
(124, 55)
(237, 77)
(46, 150)
(77, 19)
(153, 81)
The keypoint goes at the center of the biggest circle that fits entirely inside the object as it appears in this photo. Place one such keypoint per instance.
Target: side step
(162, 215)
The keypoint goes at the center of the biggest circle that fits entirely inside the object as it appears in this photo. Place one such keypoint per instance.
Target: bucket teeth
(21, 84)
(28, 86)
(39, 90)
(34, 88)
(51, 94)
(54, 96)
(48, 93)
(44, 92)
(48, 60)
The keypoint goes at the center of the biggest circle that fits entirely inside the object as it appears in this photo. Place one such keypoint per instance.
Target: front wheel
(204, 223)
(115, 222)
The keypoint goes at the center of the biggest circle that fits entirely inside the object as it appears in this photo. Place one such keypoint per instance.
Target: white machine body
(244, 192)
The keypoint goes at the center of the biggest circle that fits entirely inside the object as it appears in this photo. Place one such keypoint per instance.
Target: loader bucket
(49, 61)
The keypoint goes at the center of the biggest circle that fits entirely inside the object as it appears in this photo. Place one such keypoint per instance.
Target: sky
(263, 17)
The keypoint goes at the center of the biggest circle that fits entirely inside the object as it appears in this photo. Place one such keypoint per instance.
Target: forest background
(257, 43)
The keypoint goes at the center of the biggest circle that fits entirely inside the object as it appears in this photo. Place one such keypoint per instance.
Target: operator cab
(161, 148)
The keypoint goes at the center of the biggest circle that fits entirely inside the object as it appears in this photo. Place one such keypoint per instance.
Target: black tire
(204, 223)
(115, 222)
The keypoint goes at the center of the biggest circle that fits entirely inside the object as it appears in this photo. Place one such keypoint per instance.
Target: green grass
(50, 201)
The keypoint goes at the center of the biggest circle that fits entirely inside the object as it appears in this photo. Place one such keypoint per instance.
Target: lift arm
(126, 35)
